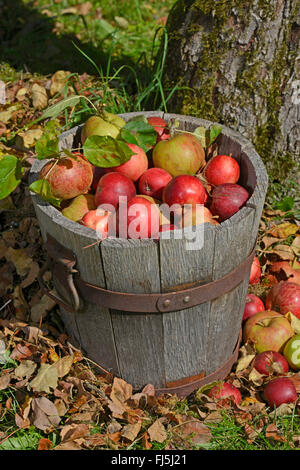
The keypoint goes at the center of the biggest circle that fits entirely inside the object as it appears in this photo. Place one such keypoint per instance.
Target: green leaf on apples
(48, 145)
(43, 189)
(214, 131)
(139, 132)
(105, 151)
(207, 136)
(54, 110)
(11, 171)
(200, 133)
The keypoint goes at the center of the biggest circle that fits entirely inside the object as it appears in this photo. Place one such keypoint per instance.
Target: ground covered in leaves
(51, 396)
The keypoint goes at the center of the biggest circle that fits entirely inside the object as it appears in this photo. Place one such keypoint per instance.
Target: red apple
(153, 181)
(224, 392)
(141, 219)
(111, 186)
(222, 169)
(284, 297)
(253, 305)
(98, 220)
(280, 390)
(227, 199)
(134, 167)
(269, 362)
(255, 271)
(160, 126)
(268, 331)
(69, 177)
(183, 154)
(184, 189)
(292, 352)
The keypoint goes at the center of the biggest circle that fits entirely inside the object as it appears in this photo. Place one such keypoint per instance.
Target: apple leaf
(54, 110)
(207, 136)
(47, 145)
(10, 174)
(43, 189)
(106, 151)
(214, 131)
(139, 132)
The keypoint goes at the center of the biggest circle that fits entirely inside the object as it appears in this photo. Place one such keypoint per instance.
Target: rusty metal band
(66, 278)
(186, 386)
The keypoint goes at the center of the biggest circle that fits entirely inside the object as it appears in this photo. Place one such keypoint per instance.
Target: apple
(136, 166)
(224, 392)
(227, 199)
(292, 352)
(268, 331)
(68, 177)
(78, 207)
(280, 390)
(195, 215)
(222, 169)
(107, 124)
(153, 181)
(98, 219)
(111, 186)
(140, 219)
(253, 305)
(183, 154)
(160, 126)
(184, 189)
(164, 217)
(269, 362)
(284, 297)
(255, 271)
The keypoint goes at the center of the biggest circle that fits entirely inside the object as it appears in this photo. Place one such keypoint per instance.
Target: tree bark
(239, 64)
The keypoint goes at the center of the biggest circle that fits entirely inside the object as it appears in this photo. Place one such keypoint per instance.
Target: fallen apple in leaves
(224, 391)
(253, 305)
(268, 331)
(280, 390)
(284, 297)
(269, 362)
(292, 352)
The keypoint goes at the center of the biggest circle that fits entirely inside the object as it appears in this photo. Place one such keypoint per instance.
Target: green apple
(79, 206)
(107, 124)
(183, 154)
(292, 352)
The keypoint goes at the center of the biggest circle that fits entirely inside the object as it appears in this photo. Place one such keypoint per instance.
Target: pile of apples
(268, 329)
(176, 172)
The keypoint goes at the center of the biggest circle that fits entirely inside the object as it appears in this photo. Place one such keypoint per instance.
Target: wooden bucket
(175, 342)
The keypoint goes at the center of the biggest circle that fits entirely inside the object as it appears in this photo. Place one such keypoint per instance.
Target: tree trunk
(240, 63)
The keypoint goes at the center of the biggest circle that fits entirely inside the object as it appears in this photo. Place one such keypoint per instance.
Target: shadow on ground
(28, 43)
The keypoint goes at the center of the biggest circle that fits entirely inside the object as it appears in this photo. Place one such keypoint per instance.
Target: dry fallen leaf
(272, 432)
(40, 310)
(39, 96)
(58, 81)
(44, 444)
(44, 414)
(25, 369)
(63, 365)
(4, 381)
(193, 430)
(131, 431)
(295, 322)
(20, 259)
(157, 431)
(46, 379)
(27, 139)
